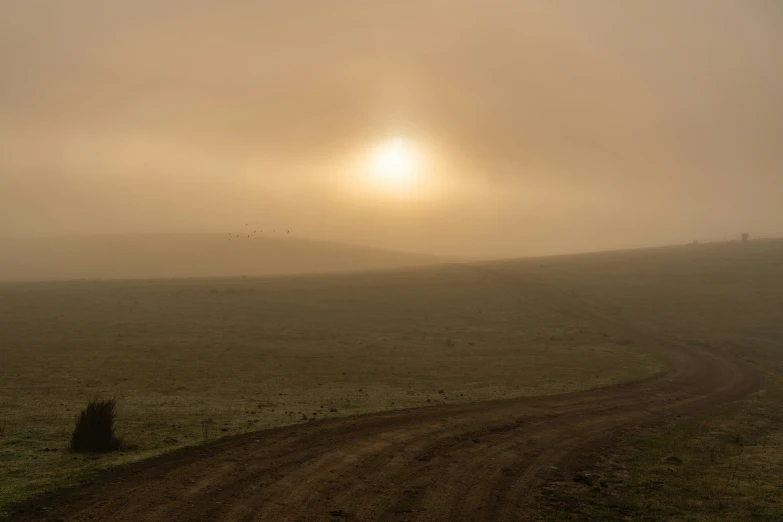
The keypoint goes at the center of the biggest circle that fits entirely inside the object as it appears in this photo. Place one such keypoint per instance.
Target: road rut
(471, 462)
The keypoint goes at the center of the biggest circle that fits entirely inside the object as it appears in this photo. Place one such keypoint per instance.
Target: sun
(394, 164)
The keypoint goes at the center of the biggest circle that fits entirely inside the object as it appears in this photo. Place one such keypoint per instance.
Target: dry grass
(193, 360)
(726, 464)
(730, 468)
(94, 430)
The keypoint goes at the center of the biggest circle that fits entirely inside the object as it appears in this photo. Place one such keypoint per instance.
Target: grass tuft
(94, 430)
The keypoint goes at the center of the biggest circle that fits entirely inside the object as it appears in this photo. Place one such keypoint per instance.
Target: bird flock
(249, 233)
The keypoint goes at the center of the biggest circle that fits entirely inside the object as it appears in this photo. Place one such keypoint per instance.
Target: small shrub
(2, 427)
(94, 430)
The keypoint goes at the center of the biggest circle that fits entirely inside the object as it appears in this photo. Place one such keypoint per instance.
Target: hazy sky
(543, 126)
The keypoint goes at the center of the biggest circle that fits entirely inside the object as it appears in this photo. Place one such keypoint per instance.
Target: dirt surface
(479, 461)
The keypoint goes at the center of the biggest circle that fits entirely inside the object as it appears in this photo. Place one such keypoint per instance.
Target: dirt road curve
(464, 462)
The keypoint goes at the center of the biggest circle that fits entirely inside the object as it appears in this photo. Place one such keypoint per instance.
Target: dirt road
(464, 462)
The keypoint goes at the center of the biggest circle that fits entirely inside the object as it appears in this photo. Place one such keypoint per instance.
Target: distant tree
(695, 241)
(745, 236)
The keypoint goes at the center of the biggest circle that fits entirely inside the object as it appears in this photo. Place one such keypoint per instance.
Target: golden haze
(546, 128)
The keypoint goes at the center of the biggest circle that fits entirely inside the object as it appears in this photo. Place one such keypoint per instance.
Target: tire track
(467, 462)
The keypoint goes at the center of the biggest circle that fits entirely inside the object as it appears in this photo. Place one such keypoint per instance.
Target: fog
(545, 127)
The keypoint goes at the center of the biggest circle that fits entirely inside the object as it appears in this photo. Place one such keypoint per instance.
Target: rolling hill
(186, 255)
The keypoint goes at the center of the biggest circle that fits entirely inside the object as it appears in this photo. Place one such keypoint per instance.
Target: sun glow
(394, 164)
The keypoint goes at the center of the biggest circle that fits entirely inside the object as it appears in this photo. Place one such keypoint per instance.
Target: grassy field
(725, 464)
(193, 360)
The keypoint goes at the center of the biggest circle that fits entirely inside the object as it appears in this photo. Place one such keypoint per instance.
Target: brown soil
(469, 462)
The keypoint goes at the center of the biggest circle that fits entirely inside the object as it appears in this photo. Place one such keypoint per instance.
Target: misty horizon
(223, 236)
(469, 260)
(536, 128)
